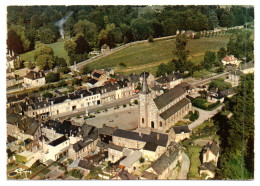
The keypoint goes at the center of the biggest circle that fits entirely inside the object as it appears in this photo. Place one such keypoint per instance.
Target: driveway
(203, 116)
(185, 167)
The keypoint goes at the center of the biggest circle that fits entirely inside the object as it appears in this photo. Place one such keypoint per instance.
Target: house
(10, 62)
(105, 133)
(12, 81)
(124, 175)
(210, 152)
(234, 77)
(230, 60)
(149, 78)
(209, 169)
(228, 92)
(164, 165)
(56, 148)
(214, 96)
(82, 165)
(148, 176)
(109, 71)
(181, 133)
(105, 49)
(131, 162)
(160, 113)
(134, 79)
(169, 81)
(34, 79)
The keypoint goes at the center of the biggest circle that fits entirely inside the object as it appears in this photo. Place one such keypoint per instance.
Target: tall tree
(82, 45)
(213, 20)
(209, 59)
(14, 43)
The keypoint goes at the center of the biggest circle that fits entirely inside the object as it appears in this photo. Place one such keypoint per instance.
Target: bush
(63, 70)
(85, 70)
(47, 95)
(136, 102)
(150, 38)
(61, 83)
(52, 77)
(122, 64)
(141, 160)
(200, 103)
(124, 105)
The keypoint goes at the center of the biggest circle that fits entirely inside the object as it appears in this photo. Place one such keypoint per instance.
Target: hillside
(149, 55)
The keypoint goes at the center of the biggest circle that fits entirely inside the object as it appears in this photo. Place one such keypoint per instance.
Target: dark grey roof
(85, 164)
(164, 99)
(180, 129)
(106, 130)
(58, 141)
(149, 175)
(81, 144)
(237, 72)
(124, 175)
(27, 141)
(165, 160)
(208, 166)
(215, 94)
(213, 147)
(247, 65)
(97, 75)
(10, 139)
(115, 147)
(134, 77)
(92, 81)
(152, 137)
(150, 146)
(175, 108)
(227, 92)
(144, 73)
(169, 78)
(35, 75)
(16, 97)
(31, 127)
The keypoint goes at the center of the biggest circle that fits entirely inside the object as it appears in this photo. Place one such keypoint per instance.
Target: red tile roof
(229, 58)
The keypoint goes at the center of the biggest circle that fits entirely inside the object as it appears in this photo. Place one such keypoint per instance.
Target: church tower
(144, 98)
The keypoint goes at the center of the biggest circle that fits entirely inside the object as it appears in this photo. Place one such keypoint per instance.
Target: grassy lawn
(137, 57)
(57, 48)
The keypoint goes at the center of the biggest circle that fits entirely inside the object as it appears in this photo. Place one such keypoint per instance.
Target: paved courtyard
(125, 118)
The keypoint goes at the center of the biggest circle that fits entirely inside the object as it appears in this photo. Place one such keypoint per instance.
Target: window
(160, 124)
(142, 120)
(152, 124)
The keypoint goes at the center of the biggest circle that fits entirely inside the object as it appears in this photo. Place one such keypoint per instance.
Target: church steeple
(145, 89)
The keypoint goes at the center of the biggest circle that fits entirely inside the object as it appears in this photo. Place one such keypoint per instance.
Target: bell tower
(144, 97)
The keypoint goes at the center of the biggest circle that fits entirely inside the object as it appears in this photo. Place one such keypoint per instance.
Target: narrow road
(185, 167)
(203, 116)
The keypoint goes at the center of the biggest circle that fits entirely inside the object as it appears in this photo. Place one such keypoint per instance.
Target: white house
(230, 60)
(34, 79)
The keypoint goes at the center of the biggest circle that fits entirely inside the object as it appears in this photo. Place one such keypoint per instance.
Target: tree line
(114, 25)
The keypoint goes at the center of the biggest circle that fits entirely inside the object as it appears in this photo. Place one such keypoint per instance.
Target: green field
(57, 48)
(147, 56)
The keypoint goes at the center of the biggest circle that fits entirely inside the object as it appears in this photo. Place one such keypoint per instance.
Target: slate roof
(175, 108)
(81, 144)
(28, 141)
(213, 147)
(169, 78)
(131, 159)
(247, 65)
(124, 175)
(227, 92)
(85, 164)
(146, 74)
(134, 77)
(149, 175)
(16, 97)
(34, 75)
(152, 137)
(92, 81)
(106, 130)
(31, 127)
(164, 161)
(115, 147)
(58, 141)
(97, 75)
(150, 146)
(164, 99)
(10, 139)
(208, 166)
(180, 129)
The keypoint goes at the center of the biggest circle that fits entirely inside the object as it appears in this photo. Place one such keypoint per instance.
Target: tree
(47, 36)
(213, 20)
(110, 39)
(63, 70)
(14, 43)
(61, 83)
(30, 65)
(85, 70)
(47, 95)
(88, 29)
(221, 53)
(45, 61)
(209, 59)
(227, 19)
(60, 62)
(43, 49)
(165, 68)
(70, 46)
(82, 46)
(52, 77)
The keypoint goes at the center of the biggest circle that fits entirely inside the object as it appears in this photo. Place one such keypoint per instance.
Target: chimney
(140, 134)
(158, 136)
(34, 75)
